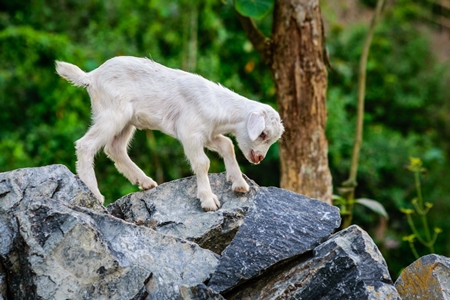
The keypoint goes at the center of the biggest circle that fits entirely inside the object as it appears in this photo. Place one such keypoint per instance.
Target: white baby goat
(128, 93)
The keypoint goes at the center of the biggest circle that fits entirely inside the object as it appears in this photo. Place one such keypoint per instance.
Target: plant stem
(434, 239)
(347, 218)
(423, 216)
(414, 230)
(362, 91)
(418, 189)
(413, 249)
(351, 181)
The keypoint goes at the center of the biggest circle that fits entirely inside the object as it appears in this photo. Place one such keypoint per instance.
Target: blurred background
(407, 95)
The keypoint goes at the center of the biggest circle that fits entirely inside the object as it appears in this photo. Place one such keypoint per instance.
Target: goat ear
(255, 125)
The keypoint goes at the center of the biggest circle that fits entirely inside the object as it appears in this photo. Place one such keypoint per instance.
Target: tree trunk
(300, 75)
(297, 59)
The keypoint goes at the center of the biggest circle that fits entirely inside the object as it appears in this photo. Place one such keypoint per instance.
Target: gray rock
(59, 242)
(54, 181)
(346, 266)
(173, 209)
(80, 254)
(199, 292)
(3, 283)
(426, 278)
(279, 225)
(52, 250)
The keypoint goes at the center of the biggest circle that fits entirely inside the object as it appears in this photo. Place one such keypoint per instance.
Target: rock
(59, 242)
(279, 225)
(173, 209)
(54, 181)
(426, 278)
(3, 283)
(52, 250)
(199, 292)
(73, 252)
(346, 266)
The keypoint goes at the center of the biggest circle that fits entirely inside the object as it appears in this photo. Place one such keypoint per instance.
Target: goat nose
(260, 157)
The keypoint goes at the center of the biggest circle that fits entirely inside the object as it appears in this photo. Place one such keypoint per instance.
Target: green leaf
(339, 200)
(375, 206)
(253, 8)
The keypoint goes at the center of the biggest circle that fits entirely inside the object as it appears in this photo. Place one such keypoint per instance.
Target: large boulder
(173, 209)
(346, 266)
(279, 225)
(51, 249)
(253, 232)
(54, 181)
(59, 242)
(426, 278)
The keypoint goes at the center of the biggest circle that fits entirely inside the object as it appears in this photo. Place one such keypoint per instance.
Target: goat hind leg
(86, 148)
(116, 150)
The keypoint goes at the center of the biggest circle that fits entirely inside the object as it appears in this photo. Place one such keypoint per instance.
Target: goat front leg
(200, 165)
(224, 146)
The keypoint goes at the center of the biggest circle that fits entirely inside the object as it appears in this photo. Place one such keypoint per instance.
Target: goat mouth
(253, 158)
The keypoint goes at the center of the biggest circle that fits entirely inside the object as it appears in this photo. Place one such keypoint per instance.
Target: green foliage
(32, 110)
(405, 94)
(407, 107)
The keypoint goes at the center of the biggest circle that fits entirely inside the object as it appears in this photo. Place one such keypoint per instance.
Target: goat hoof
(147, 184)
(101, 198)
(211, 204)
(241, 188)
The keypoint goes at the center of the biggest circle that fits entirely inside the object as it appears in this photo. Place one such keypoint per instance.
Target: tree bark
(300, 77)
(296, 57)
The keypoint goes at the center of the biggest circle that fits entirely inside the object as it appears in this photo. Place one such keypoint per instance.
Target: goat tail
(72, 74)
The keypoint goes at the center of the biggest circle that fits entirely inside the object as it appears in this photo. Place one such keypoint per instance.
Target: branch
(261, 43)
(361, 94)
(351, 182)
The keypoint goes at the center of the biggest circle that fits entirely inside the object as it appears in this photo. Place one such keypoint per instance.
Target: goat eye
(263, 135)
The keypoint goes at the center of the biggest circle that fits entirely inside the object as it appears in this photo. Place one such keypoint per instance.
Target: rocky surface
(346, 266)
(199, 292)
(280, 225)
(3, 283)
(59, 242)
(173, 209)
(52, 250)
(54, 181)
(426, 278)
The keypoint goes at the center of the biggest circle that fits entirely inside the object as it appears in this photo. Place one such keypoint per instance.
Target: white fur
(128, 93)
